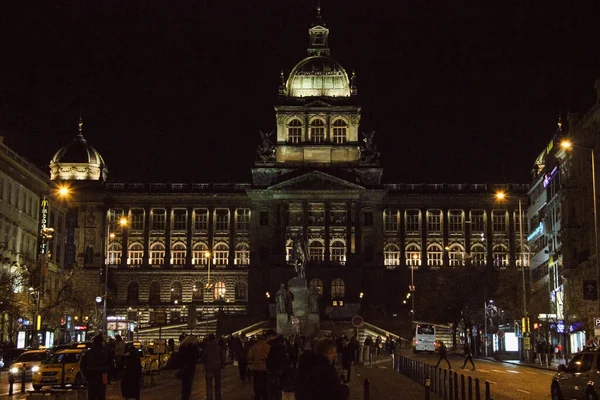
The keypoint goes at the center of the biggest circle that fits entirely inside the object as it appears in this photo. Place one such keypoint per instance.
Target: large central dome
(318, 76)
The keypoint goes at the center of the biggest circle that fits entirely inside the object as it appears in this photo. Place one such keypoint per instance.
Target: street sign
(500, 334)
(597, 321)
(527, 343)
(357, 321)
(160, 318)
(590, 290)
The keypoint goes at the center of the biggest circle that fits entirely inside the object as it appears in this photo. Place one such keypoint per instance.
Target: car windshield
(29, 357)
(67, 358)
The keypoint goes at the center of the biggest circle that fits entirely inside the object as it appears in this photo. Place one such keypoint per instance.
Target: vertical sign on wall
(43, 225)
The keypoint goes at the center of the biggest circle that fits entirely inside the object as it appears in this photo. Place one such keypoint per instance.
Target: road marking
(523, 391)
(482, 370)
(492, 382)
(495, 370)
(532, 373)
(514, 372)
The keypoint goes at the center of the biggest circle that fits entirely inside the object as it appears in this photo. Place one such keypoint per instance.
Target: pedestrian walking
(317, 377)
(277, 365)
(131, 375)
(367, 351)
(94, 365)
(257, 357)
(119, 351)
(347, 358)
(213, 363)
(443, 355)
(468, 355)
(188, 357)
(378, 345)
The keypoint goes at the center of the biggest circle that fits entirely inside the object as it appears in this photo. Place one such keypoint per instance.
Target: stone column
(232, 231)
(489, 236)
(467, 215)
(211, 234)
(125, 236)
(402, 237)
(168, 219)
(190, 229)
(146, 258)
(326, 236)
(424, 237)
(445, 240)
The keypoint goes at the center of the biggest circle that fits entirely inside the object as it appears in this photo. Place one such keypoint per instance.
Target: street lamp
(500, 195)
(412, 287)
(207, 255)
(568, 145)
(37, 320)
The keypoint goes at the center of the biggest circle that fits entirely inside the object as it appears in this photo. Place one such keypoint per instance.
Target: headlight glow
(14, 370)
(70, 370)
(35, 368)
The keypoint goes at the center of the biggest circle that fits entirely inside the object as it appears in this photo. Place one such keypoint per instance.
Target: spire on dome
(318, 34)
(353, 89)
(80, 125)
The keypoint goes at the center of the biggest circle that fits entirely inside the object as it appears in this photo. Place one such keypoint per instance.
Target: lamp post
(412, 287)
(568, 145)
(208, 256)
(37, 318)
(123, 222)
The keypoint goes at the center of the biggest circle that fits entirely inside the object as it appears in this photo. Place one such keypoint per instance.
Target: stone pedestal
(284, 325)
(299, 289)
(312, 324)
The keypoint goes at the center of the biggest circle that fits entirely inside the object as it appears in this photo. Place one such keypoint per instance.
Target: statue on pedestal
(300, 257)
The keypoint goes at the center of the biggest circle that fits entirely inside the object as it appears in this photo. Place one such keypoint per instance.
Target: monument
(297, 307)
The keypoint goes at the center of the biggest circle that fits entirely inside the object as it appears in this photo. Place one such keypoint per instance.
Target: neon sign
(43, 224)
(549, 176)
(536, 231)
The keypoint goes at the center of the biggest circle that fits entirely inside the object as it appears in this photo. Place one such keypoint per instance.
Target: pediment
(316, 180)
(318, 103)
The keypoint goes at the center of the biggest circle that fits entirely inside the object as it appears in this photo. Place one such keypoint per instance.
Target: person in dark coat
(347, 358)
(94, 365)
(468, 355)
(131, 375)
(317, 377)
(188, 357)
(213, 362)
(242, 358)
(443, 355)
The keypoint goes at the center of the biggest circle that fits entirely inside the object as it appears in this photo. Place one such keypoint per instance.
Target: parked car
(163, 357)
(7, 356)
(29, 361)
(50, 371)
(580, 379)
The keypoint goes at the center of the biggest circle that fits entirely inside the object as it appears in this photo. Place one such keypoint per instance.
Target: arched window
(338, 252)
(478, 255)
(154, 293)
(316, 250)
(242, 254)
(200, 254)
(413, 255)
(434, 255)
(176, 292)
(339, 131)
(178, 254)
(391, 254)
(157, 253)
(221, 254)
(241, 291)
(524, 256)
(295, 131)
(500, 255)
(317, 131)
(136, 253)
(114, 254)
(219, 291)
(456, 255)
(198, 291)
(338, 288)
(133, 292)
(316, 283)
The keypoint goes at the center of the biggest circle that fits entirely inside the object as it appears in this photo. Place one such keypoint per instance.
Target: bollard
(455, 386)
(10, 386)
(463, 395)
(440, 383)
(450, 385)
(477, 391)
(23, 378)
(367, 390)
(470, 388)
(488, 392)
(445, 388)
(427, 387)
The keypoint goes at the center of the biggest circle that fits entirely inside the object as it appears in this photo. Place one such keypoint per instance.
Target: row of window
(200, 254)
(136, 218)
(338, 287)
(16, 195)
(316, 250)
(455, 220)
(456, 255)
(200, 292)
(317, 132)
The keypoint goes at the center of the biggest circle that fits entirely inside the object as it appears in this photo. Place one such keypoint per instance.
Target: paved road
(508, 381)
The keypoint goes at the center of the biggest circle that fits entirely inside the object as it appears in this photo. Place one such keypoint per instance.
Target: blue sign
(537, 231)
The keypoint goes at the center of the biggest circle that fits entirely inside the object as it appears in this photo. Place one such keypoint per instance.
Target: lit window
(338, 288)
(157, 254)
(178, 254)
(114, 254)
(199, 254)
(198, 291)
(455, 221)
(338, 252)
(242, 254)
(522, 256)
(478, 254)
(222, 219)
(412, 220)
(434, 255)
(316, 283)
(413, 255)
(391, 255)
(478, 221)
(221, 254)
(158, 218)
(456, 255)
(289, 250)
(176, 291)
(243, 220)
(339, 131)
(219, 291)
(390, 219)
(434, 221)
(136, 253)
(317, 131)
(137, 219)
(179, 220)
(500, 255)
(499, 219)
(316, 250)
(201, 219)
(295, 131)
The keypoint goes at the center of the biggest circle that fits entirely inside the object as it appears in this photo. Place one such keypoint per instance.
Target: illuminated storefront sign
(43, 224)
(537, 231)
(549, 176)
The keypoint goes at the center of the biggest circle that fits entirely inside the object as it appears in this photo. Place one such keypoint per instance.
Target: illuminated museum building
(317, 178)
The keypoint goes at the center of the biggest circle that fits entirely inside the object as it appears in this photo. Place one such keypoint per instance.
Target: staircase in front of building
(202, 329)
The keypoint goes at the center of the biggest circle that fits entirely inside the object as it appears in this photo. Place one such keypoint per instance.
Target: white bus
(424, 337)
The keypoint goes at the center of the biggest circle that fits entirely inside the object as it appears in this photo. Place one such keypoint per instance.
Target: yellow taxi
(29, 361)
(162, 357)
(49, 373)
(149, 362)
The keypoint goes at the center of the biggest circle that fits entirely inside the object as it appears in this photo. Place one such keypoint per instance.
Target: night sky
(176, 91)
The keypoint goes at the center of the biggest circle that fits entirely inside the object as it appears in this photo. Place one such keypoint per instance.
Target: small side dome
(320, 77)
(78, 160)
